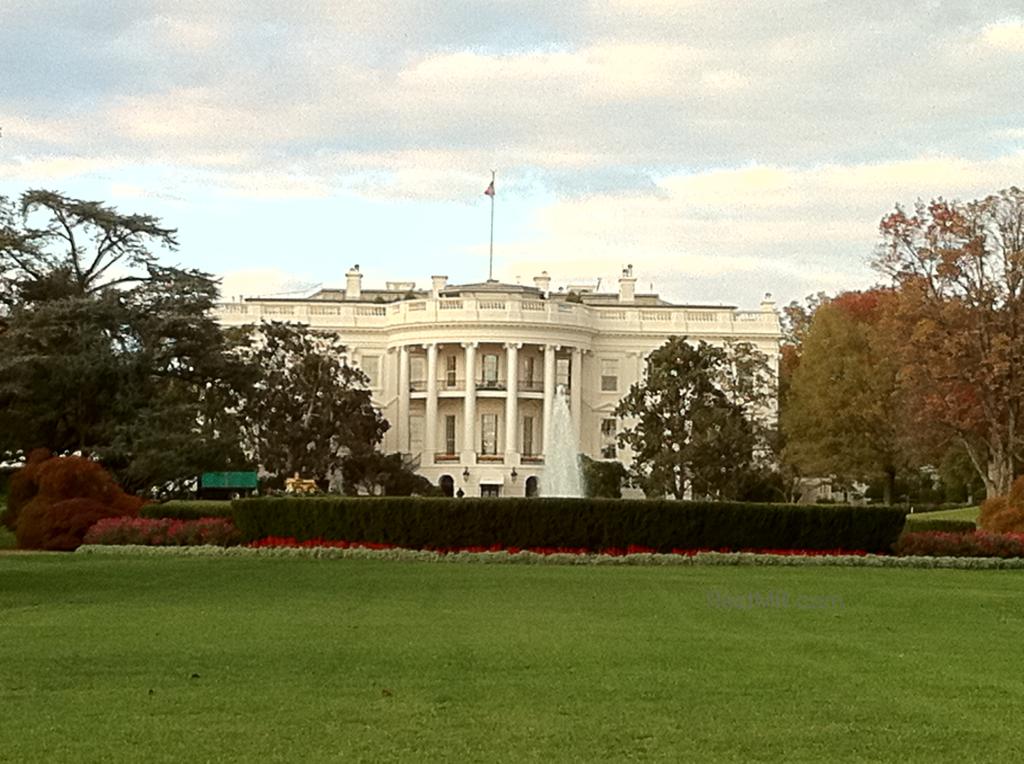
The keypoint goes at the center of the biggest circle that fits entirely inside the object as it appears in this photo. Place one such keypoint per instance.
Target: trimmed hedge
(940, 525)
(425, 523)
(187, 510)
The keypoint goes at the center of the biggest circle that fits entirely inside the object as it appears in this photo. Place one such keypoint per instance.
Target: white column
(576, 392)
(469, 407)
(403, 399)
(549, 391)
(512, 403)
(430, 423)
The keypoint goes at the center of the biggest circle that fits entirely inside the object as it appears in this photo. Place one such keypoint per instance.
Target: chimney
(627, 285)
(353, 283)
(437, 284)
(542, 282)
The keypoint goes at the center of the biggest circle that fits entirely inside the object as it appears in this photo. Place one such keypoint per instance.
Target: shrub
(60, 526)
(58, 498)
(938, 524)
(145, 531)
(598, 524)
(1004, 514)
(22, 487)
(975, 544)
(187, 510)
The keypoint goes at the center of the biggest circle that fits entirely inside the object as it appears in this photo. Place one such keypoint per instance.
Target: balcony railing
(490, 458)
(449, 384)
(444, 456)
(640, 318)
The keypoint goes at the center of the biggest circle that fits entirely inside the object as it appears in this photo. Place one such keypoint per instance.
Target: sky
(724, 149)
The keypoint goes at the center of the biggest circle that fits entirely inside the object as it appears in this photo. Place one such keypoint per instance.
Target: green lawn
(274, 659)
(967, 513)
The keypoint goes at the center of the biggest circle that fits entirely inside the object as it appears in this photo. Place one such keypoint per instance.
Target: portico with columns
(483, 406)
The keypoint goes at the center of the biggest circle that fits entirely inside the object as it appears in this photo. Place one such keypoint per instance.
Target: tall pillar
(512, 402)
(403, 399)
(469, 407)
(549, 391)
(430, 423)
(576, 392)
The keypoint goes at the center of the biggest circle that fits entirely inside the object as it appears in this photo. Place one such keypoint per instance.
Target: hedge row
(424, 523)
(187, 510)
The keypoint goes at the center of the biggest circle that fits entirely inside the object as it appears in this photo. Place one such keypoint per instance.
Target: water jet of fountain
(562, 475)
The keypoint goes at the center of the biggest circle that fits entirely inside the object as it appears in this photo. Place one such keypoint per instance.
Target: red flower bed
(146, 531)
(280, 541)
(977, 544)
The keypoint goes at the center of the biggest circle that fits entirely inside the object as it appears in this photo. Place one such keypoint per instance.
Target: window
(449, 371)
(609, 449)
(415, 434)
(529, 366)
(370, 364)
(490, 369)
(449, 434)
(527, 439)
(418, 372)
(609, 375)
(562, 372)
(489, 434)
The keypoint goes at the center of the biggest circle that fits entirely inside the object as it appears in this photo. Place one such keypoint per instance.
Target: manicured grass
(232, 659)
(967, 513)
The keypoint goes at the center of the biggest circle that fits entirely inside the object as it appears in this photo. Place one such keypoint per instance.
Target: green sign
(245, 480)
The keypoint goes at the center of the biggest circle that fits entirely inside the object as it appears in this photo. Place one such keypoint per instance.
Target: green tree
(699, 419)
(308, 409)
(375, 474)
(842, 412)
(602, 479)
(106, 351)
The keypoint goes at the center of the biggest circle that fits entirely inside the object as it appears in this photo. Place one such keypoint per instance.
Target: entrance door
(492, 491)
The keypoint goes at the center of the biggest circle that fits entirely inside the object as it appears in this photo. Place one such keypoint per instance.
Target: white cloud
(1005, 35)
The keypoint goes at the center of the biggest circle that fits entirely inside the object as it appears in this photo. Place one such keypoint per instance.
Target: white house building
(467, 374)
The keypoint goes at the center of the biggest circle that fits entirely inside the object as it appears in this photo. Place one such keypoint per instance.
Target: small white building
(467, 374)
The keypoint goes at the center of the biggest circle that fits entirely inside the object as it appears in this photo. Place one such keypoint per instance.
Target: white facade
(439, 363)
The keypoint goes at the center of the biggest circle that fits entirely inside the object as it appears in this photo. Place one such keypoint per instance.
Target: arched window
(531, 486)
(447, 484)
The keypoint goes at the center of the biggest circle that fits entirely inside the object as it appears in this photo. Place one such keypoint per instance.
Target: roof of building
(492, 287)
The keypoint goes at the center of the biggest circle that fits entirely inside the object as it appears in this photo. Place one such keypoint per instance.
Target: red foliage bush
(979, 544)
(59, 527)
(23, 487)
(217, 531)
(58, 498)
(1004, 514)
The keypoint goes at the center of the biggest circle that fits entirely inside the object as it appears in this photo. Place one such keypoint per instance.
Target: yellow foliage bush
(1004, 514)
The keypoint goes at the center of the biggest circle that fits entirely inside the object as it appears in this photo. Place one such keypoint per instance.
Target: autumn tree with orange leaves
(958, 269)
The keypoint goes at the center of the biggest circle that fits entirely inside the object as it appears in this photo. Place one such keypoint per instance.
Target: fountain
(561, 461)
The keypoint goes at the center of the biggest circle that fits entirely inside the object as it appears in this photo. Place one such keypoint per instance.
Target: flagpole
(490, 265)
